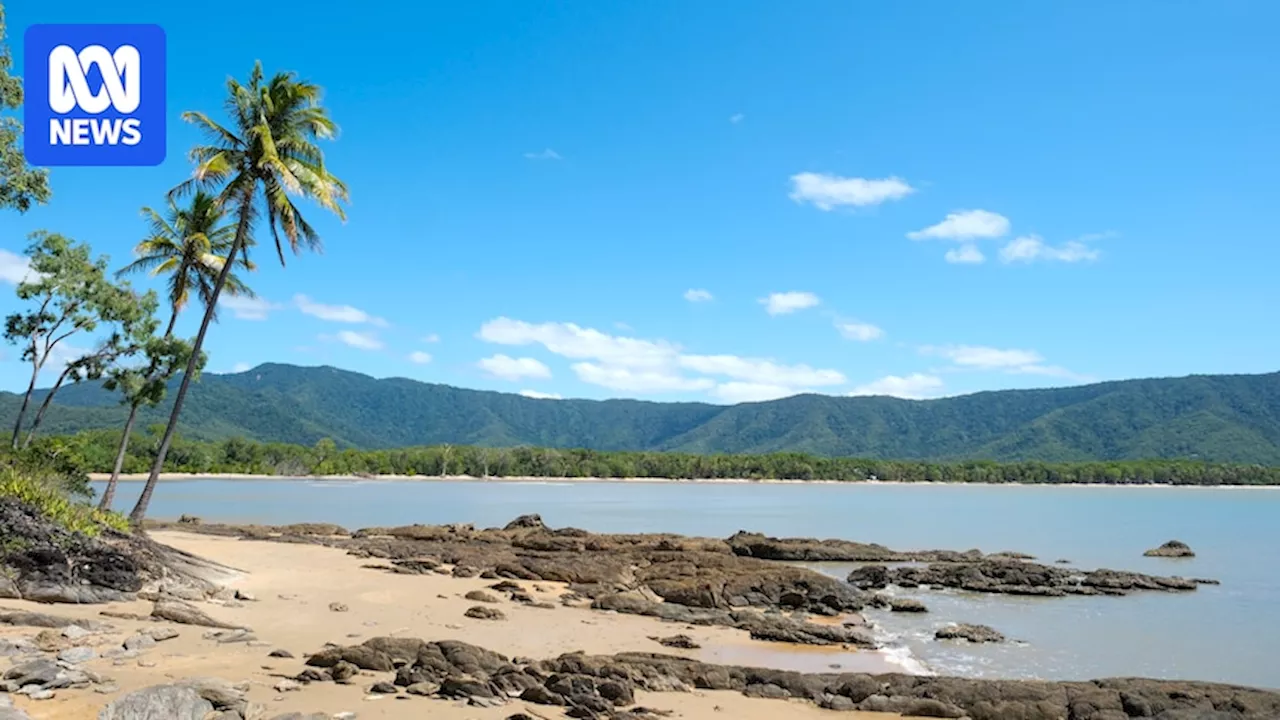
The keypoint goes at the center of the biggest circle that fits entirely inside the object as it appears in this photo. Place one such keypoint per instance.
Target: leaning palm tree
(190, 244)
(261, 162)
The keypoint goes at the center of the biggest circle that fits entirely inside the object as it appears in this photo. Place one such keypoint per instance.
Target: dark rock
(465, 571)
(526, 522)
(870, 577)
(677, 641)
(542, 696)
(972, 633)
(1015, 577)
(479, 612)
(384, 688)
(343, 671)
(481, 596)
(187, 614)
(1171, 549)
(280, 654)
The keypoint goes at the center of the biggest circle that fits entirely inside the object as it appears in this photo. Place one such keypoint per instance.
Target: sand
(295, 585)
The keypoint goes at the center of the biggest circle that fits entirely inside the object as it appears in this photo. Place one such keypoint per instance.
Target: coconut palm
(265, 158)
(189, 244)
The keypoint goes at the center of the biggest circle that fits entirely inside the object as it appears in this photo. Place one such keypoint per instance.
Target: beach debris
(972, 633)
(1171, 549)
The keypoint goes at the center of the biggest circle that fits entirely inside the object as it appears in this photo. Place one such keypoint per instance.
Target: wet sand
(295, 584)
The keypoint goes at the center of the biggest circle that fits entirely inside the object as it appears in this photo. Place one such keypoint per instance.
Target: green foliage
(53, 503)
(1221, 418)
(236, 455)
(21, 186)
(57, 462)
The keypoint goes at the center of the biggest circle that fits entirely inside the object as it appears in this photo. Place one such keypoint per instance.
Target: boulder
(185, 613)
(480, 612)
(907, 605)
(972, 633)
(481, 596)
(1171, 549)
(161, 702)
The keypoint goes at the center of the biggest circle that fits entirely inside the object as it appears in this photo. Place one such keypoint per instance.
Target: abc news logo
(105, 100)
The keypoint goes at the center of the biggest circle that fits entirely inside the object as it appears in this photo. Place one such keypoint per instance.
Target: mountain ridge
(1226, 418)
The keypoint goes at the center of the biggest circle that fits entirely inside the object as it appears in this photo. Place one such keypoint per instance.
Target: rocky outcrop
(760, 546)
(1015, 577)
(47, 563)
(605, 686)
(972, 633)
(1171, 549)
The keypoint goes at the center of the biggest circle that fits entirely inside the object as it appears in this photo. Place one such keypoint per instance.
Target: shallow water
(1228, 633)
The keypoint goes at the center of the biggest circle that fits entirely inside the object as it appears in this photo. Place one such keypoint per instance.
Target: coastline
(251, 477)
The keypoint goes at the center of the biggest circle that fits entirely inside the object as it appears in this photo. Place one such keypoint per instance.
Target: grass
(53, 503)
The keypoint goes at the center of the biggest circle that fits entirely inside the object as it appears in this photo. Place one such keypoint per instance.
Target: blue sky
(536, 188)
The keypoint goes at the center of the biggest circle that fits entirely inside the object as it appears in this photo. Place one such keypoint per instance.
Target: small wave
(902, 656)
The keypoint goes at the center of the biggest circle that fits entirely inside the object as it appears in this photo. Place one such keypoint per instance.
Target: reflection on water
(1227, 633)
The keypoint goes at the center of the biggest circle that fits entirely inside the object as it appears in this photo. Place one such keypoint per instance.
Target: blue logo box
(94, 95)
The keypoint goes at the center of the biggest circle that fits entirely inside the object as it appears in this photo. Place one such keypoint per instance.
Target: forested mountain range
(1222, 418)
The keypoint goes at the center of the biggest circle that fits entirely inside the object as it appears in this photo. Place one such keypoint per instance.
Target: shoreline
(252, 477)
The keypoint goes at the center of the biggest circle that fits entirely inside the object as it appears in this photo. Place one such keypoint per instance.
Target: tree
(143, 385)
(190, 245)
(265, 159)
(73, 296)
(21, 186)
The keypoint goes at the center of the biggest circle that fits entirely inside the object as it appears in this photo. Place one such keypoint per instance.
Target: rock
(23, 618)
(245, 596)
(40, 672)
(869, 577)
(1016, 577)
(1171, 549)
(972, 633)
(338, 607)
(161, 702)
(343, 672)
(76, 655)
(161, 634)
(384, 688)
(75, 632)
(185, 613)
(423, 688)
(480, 612)
(287, 685)
(909, 605)
(139, 642)
(526, 522)
(481, 596)
(677, 641)
(280, 654)
(227, 637)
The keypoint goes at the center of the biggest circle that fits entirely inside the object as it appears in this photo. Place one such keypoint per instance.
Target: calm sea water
(1227, 633)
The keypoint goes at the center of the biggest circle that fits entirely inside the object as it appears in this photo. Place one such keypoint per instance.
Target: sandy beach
(294, 586)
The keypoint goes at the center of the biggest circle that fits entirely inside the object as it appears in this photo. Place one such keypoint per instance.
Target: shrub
(54, 503)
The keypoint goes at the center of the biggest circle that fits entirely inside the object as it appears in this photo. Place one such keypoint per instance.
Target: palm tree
(266, 158)
(190, 244)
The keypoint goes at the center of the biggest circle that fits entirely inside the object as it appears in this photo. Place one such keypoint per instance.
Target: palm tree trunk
(109, 493)
(168, 331)
(26, 400)
(242, 231)
(31, 434)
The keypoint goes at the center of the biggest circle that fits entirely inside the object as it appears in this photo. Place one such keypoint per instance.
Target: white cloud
(693, 295)
(536, 395)
(737, 118)
(782, 303)
(246, 308)
(1030, 248)
(985, 358)
(419, 357)
(336, 313)
(14, 268)
(579, 343)
(241, 367)
(509, 368)
(827, 192)
(359, 340)
(639, 380)
(764, 372)
(915, 386)
(965, 225)
(965, 255)
(860, 331)
(740, 392)
(547, 154)
(432, 338)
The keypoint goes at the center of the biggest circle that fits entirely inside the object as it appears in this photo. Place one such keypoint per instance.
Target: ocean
(1226, 633)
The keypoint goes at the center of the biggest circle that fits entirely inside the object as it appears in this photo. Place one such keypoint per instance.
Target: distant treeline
(95, 451)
